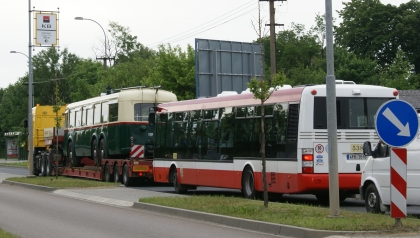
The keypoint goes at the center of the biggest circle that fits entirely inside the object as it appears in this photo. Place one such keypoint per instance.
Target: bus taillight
(395, 93)
(307, 161)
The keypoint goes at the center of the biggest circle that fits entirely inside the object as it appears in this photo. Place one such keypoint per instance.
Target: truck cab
(375, 187)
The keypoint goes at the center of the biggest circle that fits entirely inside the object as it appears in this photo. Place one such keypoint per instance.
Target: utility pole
(331, 116)
(105, 59)
(273, 37)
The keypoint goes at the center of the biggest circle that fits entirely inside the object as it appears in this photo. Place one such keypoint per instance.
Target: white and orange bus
(216, 141)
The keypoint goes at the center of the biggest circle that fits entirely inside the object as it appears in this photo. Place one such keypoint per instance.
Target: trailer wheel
(48, 168)
(74, 161)
(248, 187)
(372, 199)
(116, 174)
(101, 154)
(107, 173)
(43, 173)
(127, 181)
(94, 153)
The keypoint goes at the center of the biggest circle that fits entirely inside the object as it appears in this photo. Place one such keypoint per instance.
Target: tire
(116, 174)
(74, 161)
(372, 199)
(94, 152)
(179, 188)
(43, 172)
(101, 155)
(248, 186)
(126, 180)
(48, 166)
(107, 173)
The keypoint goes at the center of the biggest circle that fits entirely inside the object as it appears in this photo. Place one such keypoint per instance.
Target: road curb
(30, 186)
(265, 227)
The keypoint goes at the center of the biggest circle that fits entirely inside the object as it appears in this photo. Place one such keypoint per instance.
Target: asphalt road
(134, 193)
(29, 213)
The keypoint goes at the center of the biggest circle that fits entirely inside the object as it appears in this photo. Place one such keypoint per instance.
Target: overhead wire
(223, 19)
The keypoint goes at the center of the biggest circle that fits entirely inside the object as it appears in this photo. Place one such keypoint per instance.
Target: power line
(206, 26)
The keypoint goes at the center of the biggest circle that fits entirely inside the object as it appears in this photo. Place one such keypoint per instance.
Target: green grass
(5, 234)
(63, 182)
(16, 164)
(288, 214)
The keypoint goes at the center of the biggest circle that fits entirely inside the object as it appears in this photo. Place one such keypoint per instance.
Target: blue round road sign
(396, 123)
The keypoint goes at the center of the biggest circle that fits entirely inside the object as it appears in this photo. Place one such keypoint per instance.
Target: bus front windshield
(141, 111)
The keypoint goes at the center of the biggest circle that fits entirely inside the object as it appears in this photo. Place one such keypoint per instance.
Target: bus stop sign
(396, 123)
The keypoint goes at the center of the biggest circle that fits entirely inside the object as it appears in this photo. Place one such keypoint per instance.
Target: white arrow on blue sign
(397, 123)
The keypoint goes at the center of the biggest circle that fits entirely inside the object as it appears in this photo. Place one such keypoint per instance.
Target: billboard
(226, 65)
(46, 29)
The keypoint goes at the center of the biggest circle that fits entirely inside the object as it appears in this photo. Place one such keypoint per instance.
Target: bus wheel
(107, 174)
(94, 152)
(48, 168)
(116, 174)
(72, 158)
(179, 188)
(372, 199)
(248, 188)
(101, 154)
(127, 181)
(43, 173)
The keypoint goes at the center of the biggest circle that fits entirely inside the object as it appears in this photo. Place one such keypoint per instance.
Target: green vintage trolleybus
(112, 132)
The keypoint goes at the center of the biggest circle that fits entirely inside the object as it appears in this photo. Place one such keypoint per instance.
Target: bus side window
(113, 112)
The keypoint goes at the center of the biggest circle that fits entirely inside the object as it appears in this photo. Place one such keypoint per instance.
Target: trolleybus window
(97, 114)
(113, 112)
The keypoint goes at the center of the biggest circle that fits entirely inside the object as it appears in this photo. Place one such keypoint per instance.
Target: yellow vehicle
(47, 139)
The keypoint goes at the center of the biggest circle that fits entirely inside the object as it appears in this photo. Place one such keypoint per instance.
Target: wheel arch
(371, 180)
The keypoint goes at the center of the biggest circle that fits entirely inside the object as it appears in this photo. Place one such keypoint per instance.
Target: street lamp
(30, 103)
(17, 52)
(82, 18)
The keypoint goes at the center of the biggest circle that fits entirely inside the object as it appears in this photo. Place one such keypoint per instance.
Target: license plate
(355, 156)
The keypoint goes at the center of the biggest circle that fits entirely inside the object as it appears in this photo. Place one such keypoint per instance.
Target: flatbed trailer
(127, 171)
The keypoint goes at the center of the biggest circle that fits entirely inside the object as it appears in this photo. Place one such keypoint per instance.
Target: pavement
(129, 197)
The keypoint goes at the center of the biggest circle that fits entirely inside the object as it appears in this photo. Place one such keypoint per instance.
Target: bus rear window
(352, 113)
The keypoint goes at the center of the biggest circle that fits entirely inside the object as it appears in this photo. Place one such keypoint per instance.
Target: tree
(406, 26)
(369, 30)
(174, 70)
(84, 78)
(261, 89)
(399, 74)
(51, 64)
(126, 46)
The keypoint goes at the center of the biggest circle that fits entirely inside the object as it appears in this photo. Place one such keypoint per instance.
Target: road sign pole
(398, 184)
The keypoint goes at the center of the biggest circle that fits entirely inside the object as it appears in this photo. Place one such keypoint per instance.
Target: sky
(153, 22)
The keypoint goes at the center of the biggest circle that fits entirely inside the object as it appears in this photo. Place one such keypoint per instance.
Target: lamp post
(30, 105)
(105, 58)
(17, 52)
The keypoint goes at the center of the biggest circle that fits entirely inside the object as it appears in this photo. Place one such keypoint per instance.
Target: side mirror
(367, 149)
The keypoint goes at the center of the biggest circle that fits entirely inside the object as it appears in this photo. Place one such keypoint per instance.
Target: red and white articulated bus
(216, 141)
